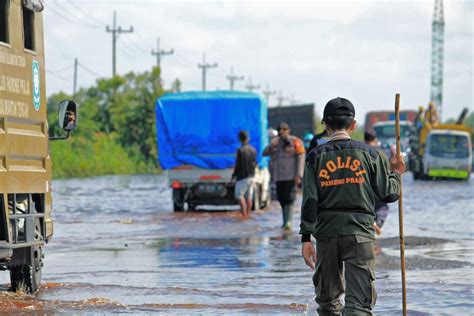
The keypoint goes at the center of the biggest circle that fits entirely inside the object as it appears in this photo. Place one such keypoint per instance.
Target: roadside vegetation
(116, 133)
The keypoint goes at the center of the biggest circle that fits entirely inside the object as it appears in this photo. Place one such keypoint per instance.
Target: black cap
(283, 125)
(338, 107)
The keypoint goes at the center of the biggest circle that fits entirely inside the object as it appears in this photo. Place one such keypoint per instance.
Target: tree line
(116, 132)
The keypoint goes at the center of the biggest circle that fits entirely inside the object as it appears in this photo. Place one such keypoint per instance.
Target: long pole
(400, 208)
(114, 46)
(74, 89)
(116, 31)
(160, 52)
(204, 67)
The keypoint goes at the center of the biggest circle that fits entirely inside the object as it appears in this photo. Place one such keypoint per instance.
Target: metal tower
(437, 53)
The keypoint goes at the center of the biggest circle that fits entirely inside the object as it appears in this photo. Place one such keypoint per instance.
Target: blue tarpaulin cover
(201, 128)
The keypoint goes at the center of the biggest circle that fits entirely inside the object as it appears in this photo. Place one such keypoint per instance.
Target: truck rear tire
(256, 198)
(27, 278)
(178, 202)
(268, 201)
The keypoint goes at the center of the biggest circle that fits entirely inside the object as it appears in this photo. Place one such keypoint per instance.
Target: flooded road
(118, 248)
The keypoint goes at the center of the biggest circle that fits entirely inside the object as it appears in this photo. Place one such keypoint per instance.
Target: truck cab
(385, 131)
(448, 154)
(441, 150)
(25, 162)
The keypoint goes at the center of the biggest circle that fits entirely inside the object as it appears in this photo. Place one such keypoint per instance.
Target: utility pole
(292, 100)
(250, 86)
(268, 93)
(280, 98)
(159, 52)
(74, 87)
(204, 66)
(232, 78)
(115, 34)
(437, 55)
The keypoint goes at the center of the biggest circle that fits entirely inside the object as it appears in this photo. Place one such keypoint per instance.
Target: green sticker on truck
(36, 85)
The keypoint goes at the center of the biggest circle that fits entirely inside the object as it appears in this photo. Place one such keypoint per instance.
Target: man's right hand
(397, 164)
(309, 254)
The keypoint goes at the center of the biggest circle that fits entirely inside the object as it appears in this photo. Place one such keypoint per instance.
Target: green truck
(442, 151)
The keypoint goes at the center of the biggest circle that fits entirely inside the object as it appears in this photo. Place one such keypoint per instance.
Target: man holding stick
(342, 180)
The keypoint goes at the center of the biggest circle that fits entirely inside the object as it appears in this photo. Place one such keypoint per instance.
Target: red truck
(382, 116)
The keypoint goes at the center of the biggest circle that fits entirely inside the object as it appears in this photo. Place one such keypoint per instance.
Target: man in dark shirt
(342, 180)
(244, 172)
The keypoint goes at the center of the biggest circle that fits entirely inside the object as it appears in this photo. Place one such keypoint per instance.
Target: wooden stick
(400, 208)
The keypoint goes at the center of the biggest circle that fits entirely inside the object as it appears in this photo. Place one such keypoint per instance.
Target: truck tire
(178, 202)
(416, 175)
(268, 201)
(27, 278)
(256, 198)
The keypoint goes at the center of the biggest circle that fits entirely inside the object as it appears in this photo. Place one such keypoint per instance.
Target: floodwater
(118, 248)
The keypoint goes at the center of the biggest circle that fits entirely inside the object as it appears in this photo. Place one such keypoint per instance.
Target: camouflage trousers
(350, 259)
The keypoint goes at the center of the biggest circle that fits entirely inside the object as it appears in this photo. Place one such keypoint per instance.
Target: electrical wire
(90, 71)
(52, 9)
(72, 14)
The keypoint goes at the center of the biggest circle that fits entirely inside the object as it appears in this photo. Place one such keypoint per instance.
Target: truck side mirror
(67, 115)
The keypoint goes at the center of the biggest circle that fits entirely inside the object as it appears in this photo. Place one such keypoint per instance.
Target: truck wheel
(268, 201)
(27, 278)
(416, 175)
(178, 203)
(256, 198)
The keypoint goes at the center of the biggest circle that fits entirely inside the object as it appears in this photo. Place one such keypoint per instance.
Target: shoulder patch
(299, 146)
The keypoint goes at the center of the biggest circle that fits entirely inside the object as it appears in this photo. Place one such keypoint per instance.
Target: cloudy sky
(313, 51)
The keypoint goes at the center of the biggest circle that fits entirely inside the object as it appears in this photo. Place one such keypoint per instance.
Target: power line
(61, 69)
(89, 70)
(56, 75)
(138, 46)
(68, 17)
(116, 31)
(204, 67)
(90, 17)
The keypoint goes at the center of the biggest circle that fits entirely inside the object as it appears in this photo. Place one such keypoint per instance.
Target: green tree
(116, 132)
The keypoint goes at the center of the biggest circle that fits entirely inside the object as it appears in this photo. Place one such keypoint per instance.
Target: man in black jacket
(342, 180)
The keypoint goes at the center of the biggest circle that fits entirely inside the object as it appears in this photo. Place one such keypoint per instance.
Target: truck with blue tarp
(197, 134)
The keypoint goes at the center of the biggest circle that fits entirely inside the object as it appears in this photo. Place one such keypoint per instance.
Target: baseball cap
(283, 125)
(338, 107)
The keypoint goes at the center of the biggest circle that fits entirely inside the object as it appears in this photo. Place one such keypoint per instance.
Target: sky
(311, 51)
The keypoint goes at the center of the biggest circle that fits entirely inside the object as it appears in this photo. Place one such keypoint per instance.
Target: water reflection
(120, 249)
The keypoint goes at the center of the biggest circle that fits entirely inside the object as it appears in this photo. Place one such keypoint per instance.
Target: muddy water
(118, 248)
